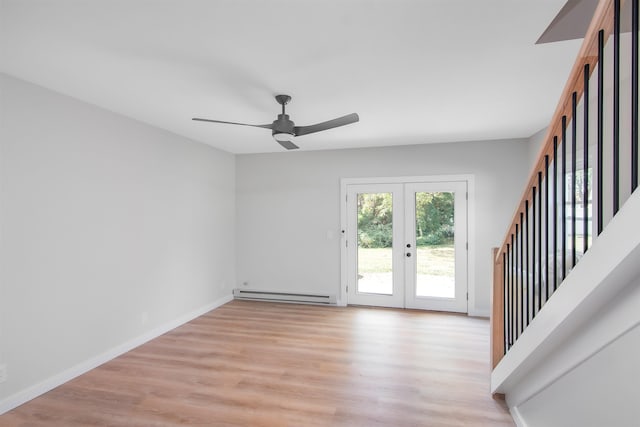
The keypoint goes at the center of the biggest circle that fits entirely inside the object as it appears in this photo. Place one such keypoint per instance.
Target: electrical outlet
(3, 373)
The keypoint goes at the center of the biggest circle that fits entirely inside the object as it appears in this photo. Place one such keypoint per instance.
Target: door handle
(408, 254)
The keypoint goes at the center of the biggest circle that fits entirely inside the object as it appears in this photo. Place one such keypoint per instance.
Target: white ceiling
(416, 71)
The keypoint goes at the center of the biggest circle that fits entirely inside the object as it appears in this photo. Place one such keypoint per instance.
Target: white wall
(601, 391)
(288, 223)
(110, 229)
(534, 143)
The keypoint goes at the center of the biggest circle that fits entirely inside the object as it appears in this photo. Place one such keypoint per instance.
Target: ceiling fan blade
(288, 145)
(269, 126)
(330, 124)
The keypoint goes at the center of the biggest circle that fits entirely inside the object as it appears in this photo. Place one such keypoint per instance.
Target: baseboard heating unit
(302, 297)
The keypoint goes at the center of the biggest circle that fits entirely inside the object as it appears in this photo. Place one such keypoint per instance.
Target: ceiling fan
(284, 130)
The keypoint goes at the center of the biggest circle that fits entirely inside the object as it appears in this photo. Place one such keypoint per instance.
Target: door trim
(471, 235)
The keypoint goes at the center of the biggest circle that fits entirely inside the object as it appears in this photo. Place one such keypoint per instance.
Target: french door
(407, 245)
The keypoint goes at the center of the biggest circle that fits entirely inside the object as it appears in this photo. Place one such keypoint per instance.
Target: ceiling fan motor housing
(283, 125)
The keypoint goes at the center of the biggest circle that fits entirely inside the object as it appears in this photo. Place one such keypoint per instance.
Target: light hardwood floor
(266, 364)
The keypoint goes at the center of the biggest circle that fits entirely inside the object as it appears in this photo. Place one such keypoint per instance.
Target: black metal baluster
(600, 142)
(634, 95)
(516, 289)
(533, 252)
(616, 106)
(539, 283)
(585, 161)
(504, 305)
(563, 206)
(546, 227)
(555, 213)
(574, 137)
(513, 277)
(525, 232)
(508, 301)
(521, 273)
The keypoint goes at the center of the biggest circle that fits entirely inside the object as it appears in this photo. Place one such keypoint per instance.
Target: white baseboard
(517, 417)
(36, 390)
(471, 311)
(478, 313)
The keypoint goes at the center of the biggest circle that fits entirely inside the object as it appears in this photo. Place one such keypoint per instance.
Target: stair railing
(569, 198)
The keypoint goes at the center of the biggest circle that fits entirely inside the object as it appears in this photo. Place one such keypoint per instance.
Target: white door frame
(470, 179)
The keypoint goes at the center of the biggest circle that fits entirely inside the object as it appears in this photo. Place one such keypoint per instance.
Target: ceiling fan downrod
(283, 100)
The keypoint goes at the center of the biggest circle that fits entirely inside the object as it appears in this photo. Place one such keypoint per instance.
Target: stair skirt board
(309, 298)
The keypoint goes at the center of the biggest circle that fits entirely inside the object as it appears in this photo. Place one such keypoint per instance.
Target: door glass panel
(435, 253)
(375, 242)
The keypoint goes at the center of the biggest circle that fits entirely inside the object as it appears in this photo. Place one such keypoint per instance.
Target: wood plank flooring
(267, 364)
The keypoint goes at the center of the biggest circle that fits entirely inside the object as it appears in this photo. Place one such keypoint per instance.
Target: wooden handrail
(588, 54)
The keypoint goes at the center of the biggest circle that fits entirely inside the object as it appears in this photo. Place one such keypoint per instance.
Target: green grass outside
(436, 260)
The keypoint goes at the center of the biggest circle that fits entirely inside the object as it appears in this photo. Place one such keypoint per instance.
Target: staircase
(565, 317)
